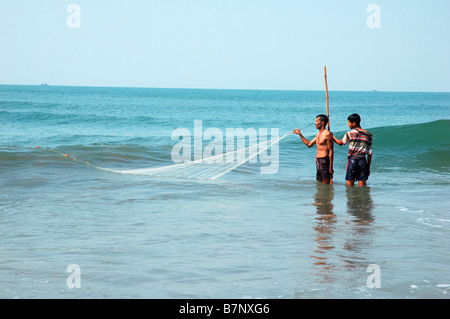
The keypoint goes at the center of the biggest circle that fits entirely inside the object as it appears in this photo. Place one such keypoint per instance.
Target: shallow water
(244, 235)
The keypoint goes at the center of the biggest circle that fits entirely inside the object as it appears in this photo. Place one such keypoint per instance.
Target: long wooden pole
(326, 90)
(328, 107)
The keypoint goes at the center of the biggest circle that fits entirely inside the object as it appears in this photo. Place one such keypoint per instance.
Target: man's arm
(338, 142)
(305, 140)
(330, 145)
(369, 161)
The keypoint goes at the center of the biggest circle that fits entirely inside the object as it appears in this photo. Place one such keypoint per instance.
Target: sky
(392, 45)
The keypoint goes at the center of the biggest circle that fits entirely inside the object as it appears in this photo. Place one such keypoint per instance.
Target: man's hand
(296, 131)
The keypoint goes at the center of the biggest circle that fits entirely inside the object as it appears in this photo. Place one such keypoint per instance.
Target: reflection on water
(359, 206)
(350, 241)
(325, 226)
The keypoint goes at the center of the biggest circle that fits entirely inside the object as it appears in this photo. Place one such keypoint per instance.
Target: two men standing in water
(360, 145)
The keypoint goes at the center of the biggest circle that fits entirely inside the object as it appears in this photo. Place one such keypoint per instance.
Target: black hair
(354, 118)
(323, 118)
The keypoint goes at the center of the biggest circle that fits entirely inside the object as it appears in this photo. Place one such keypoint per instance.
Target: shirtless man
(324, 156)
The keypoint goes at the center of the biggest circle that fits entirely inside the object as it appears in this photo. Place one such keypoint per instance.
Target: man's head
(321, 121)
(354, 120)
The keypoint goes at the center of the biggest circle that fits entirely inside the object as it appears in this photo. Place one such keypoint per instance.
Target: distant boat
(44, 84)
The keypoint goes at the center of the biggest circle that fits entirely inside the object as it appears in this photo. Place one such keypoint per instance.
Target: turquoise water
(244, 235)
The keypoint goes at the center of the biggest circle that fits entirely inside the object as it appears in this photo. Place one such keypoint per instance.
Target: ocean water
(243, 235)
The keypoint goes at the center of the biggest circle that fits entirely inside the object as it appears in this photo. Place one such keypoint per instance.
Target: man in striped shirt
(360, 145)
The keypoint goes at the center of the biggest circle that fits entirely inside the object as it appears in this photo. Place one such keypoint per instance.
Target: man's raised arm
(306, 141)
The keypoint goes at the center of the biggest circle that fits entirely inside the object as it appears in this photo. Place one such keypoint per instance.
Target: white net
(209, 168)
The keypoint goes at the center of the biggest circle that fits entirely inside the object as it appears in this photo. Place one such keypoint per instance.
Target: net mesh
(209, 168)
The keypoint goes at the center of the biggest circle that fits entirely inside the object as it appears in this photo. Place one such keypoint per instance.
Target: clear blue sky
(228, 44)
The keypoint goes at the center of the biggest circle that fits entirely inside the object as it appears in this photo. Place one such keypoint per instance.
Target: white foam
(434, 222)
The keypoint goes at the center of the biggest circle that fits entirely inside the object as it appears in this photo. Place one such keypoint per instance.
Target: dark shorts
(323, 169)
(357, 169)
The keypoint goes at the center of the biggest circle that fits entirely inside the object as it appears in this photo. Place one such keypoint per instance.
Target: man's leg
(349, 178)
(363, 172)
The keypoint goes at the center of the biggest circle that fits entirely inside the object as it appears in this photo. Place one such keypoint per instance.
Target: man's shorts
(323, 169)
(357, 169)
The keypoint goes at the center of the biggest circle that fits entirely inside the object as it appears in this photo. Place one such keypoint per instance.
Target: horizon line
(218, 89)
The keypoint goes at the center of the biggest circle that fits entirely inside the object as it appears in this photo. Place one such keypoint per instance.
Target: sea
(73, 226)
